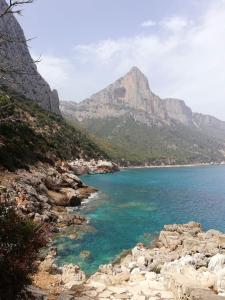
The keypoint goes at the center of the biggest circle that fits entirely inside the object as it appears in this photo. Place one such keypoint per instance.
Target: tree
(14, 7)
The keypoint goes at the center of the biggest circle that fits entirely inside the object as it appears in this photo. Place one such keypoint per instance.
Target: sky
(87, 44)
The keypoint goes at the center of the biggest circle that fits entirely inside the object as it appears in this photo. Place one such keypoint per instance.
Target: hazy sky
(87, 44)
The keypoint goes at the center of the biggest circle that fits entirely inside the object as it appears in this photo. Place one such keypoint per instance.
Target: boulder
(85, 192)
(57, 198)
(170, 239)
(46, 265)
(72, 197)
(72, 276)
(217, 262)
(142, 262)
(181, 276)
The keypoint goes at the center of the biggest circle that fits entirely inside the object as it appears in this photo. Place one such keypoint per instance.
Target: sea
(133, 205)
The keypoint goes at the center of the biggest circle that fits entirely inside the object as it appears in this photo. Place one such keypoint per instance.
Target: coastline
(185, 262)
(136, 266)
(173, 166)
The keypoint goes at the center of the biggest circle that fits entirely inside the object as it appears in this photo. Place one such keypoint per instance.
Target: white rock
(135, 271)
(220, 282)
(72, 276)
(132, 265)
(217, 262)
(142, 262)
(151, 276)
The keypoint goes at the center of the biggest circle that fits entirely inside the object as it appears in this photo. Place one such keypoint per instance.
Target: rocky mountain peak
(136, 81)
(132, 90)
(130, 95)
(135, 71)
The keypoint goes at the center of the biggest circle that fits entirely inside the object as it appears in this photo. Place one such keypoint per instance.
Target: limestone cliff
(22, 75)
(131, 95)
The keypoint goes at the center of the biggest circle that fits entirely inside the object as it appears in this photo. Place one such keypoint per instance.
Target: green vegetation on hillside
(28, 134)
(138, 143)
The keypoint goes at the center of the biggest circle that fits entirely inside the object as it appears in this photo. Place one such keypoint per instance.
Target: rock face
(23, 76)
(147, 128)
(132, 95)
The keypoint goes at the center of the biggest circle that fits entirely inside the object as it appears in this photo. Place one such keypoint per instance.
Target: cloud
(148, 23)
(54, 69)
(175, 24)
(184, 59)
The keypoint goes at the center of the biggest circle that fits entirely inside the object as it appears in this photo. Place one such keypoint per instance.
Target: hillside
(29, 134)
(143, 128)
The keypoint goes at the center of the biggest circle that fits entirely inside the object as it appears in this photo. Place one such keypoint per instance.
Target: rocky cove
(47, 194)
(184, 262)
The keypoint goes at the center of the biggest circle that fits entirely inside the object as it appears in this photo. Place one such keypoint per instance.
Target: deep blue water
(134, 204)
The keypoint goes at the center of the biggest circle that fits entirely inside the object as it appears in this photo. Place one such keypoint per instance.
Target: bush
(20, 241)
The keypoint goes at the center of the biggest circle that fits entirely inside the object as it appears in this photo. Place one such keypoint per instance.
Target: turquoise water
(134, 204)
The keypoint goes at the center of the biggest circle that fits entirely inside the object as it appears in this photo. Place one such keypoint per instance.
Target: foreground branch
(14, 7)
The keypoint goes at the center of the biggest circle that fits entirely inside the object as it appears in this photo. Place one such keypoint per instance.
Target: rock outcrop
(44, 193)
(22, 75)
(186, 264)
(80, 166)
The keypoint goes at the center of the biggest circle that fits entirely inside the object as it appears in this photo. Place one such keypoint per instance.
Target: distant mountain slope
(22, 75)
(28, 134)
(145, 128)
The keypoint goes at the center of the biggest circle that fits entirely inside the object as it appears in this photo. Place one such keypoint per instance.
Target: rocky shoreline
(184, 263)
(44, 193)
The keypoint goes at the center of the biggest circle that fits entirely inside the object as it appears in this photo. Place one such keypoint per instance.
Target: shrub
(20, 241)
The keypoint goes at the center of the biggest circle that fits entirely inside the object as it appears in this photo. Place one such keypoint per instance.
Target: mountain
(22, 75)
(143, 128)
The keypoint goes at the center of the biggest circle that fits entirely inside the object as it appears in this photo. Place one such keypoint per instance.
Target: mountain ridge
(129, 103)
(158, 107)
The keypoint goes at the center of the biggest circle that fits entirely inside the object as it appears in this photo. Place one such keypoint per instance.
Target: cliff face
(131, 95)
(22, 75)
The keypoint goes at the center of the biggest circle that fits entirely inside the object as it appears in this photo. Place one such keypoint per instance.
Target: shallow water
(134, 204)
